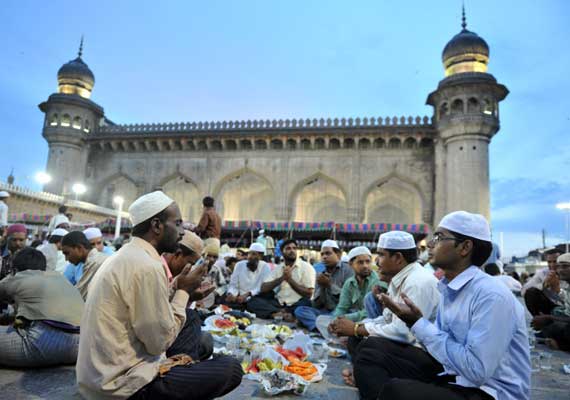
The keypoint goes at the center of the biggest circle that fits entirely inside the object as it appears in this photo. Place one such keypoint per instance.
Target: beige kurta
(128, 323)
(303, 273)
(92, 264)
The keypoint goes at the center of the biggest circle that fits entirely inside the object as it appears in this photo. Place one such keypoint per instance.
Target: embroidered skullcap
(16, 228)
(192, 242)
(92, 233)
(564, 258)
(330, 243)
(396, 240)
(257, 247)
(59, 232)
(4, 194)
(468, 224)
(358, 251)
(148, 206)
(212, 248)
(262, 231)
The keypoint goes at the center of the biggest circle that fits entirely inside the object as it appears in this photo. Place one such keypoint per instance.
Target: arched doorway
(246, 196)
(186, 195)
(319, 199)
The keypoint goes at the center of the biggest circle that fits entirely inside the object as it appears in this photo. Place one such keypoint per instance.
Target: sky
(177, 61)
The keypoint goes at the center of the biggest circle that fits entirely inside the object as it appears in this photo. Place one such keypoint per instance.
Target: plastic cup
(534, 361)
(545, 361)
(531, 339)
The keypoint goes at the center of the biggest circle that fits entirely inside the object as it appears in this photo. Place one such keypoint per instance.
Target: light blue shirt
(108, 250)
(73, 272)
(480, 335)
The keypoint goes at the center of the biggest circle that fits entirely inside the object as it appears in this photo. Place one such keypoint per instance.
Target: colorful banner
(325, 226)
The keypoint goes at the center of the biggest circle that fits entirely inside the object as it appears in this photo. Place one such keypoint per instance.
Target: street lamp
(78, 189)
(566, 207)
(118, 200)
(43, 178)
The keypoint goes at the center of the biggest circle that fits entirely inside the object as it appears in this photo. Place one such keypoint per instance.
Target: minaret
(466, 115)
(69, 118)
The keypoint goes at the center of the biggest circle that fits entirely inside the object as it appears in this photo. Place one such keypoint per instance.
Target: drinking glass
(531, 339)
(534, 361)
(545, 361)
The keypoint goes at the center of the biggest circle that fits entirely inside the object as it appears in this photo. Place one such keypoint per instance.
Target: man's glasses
(438, 237)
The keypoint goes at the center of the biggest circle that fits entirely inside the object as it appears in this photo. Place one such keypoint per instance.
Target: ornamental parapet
(274, 125)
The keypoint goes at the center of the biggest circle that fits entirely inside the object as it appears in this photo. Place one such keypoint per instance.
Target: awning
(325, 226)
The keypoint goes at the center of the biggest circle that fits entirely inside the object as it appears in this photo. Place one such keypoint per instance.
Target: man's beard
(289, 259)
(167, 244)
(252, 264)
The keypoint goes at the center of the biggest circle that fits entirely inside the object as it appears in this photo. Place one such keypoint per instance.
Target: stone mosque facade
(361, 170)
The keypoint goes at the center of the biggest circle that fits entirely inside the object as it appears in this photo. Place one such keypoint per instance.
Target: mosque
(406, 170)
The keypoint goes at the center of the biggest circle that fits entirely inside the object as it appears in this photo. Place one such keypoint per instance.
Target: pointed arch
(245, 195)
(393, 199)
(318, 198)
(185, 193)
(119, 184)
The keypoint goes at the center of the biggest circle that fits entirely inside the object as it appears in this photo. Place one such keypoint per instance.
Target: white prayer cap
(4, 194)
(148, 205)
(92, 233)
(358, 251)
(330, 243)
(257, 247)
(344, 258)
(564, 258)
(262, 231)
(396, 240)
(59, 232)
(468, 224)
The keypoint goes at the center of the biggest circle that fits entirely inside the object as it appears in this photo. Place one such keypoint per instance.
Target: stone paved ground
(59, 383)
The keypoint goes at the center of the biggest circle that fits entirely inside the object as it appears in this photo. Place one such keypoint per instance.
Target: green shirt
(351, 302)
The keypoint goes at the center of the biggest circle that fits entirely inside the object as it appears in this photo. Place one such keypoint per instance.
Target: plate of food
(336, 352)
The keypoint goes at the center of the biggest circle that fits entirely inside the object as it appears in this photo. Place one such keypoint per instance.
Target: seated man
(510, 282)
(247, 278)
(328, 285)
(398, 258)
(95, 236)
(52, 251)
(556, 327)
(543, 291)
(48, 313)
(188, 253)
(77, 249)
(130, 324)
(351, 303)
(216, 276)
(478, 346)
(289, 286)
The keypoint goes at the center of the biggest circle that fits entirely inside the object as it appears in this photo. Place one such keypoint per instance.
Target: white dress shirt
(421, 287)
(244, 280)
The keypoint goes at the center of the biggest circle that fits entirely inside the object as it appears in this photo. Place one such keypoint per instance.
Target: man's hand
(202, 292)
(407, 311)
(243, 298)
(190, 280)
(540, 321)
(342, 327)
(230, 298)
(287, 273)
(324, 280)
(552, 282)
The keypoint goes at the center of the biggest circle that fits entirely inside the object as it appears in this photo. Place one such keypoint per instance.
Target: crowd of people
(432, 323)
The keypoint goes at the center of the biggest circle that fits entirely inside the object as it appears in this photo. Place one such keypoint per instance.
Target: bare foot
(348, 377)
(553, 344)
